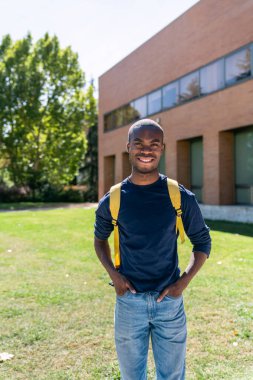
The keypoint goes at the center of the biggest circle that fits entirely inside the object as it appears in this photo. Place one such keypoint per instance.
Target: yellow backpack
(175, 197)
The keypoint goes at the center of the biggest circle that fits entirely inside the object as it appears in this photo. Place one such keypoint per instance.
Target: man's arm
(103, 252)
(176, 289)
(198, 233)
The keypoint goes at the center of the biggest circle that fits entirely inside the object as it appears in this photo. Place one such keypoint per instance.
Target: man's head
(145, 145)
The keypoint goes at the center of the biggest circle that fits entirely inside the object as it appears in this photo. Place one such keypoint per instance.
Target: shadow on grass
(245, 229)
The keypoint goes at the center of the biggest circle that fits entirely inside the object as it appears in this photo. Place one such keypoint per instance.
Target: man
(148, 284)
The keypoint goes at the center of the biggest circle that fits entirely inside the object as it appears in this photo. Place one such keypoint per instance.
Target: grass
(56, 307)
(12, 206)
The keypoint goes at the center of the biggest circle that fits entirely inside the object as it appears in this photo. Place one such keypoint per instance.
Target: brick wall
(209, 30)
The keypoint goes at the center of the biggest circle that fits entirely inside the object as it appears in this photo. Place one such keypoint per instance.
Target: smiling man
(148, 283)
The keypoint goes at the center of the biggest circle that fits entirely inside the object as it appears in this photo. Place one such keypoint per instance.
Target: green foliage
(88, 174)
(42, 111)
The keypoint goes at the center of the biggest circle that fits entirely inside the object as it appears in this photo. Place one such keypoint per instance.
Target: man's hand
(122, 284)
(174, 290)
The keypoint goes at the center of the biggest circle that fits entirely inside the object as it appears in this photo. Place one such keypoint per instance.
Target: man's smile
(145, 160)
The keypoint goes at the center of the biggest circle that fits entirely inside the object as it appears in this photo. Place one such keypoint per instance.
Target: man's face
(145, 149)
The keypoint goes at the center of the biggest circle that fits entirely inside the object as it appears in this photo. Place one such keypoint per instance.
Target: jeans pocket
(123, 295)
(172, 297)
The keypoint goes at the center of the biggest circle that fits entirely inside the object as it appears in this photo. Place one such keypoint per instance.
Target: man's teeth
(145, 159)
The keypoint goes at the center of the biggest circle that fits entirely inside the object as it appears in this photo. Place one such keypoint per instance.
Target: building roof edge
(150, 38)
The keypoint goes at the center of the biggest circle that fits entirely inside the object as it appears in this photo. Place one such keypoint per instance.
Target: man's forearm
(196, 262)
(176, 289)
(121, 283)
(103, 252)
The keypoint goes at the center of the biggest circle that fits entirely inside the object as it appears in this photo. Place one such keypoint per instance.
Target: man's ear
(127, 146)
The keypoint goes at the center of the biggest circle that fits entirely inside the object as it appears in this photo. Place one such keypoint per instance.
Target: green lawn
(56, 307)
(12, 206)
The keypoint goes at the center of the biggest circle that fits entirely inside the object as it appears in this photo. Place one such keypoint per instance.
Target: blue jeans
(136, 317)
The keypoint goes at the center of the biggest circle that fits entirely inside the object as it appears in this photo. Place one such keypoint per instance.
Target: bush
(46, 193)
(13, 194)
(52, 194)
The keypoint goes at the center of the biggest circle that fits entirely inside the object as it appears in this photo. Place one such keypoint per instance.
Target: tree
(88, 173)
(42, 111)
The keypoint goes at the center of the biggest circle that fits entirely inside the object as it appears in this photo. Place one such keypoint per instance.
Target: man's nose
(146, 149)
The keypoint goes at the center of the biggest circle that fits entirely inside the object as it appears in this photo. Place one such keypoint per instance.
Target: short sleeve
(194, 224)
(103, 226)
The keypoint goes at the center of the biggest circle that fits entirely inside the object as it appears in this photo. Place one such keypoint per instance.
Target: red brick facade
(208, 31)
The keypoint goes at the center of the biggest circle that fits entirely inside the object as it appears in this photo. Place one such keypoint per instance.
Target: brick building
(195, 78)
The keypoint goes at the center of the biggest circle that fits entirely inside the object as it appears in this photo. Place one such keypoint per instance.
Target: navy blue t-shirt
(148, 242)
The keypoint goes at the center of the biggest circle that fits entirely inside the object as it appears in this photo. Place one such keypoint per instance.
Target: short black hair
(144, 123)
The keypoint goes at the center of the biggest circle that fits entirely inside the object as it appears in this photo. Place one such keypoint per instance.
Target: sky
(102, 32)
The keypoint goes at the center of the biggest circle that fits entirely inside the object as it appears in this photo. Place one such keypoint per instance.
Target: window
(154, 102)
(170, 95)
(140, 106)
(130, 113)
(237, 66)
(161, 165)
(119, 117)
(196, 159)
(244, 166)
(223, 72)
(109, 121)
(189, 87)
(212, 77)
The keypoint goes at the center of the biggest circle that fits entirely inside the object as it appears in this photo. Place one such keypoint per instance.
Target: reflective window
(212, 77)
(140, 106)
(119, 117)
(154, 102)
(189, 87)
(225, 71)
(161, 166)
(244, 166)
(170, 95)
(109, 121)
(196, 154)
(237, 66)
(131, 113)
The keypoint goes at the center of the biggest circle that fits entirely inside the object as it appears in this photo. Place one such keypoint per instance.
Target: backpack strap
(114, 208)
(115, 192)
(175, 197)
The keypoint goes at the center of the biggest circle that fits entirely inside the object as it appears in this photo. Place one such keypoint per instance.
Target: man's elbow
(99, 242)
